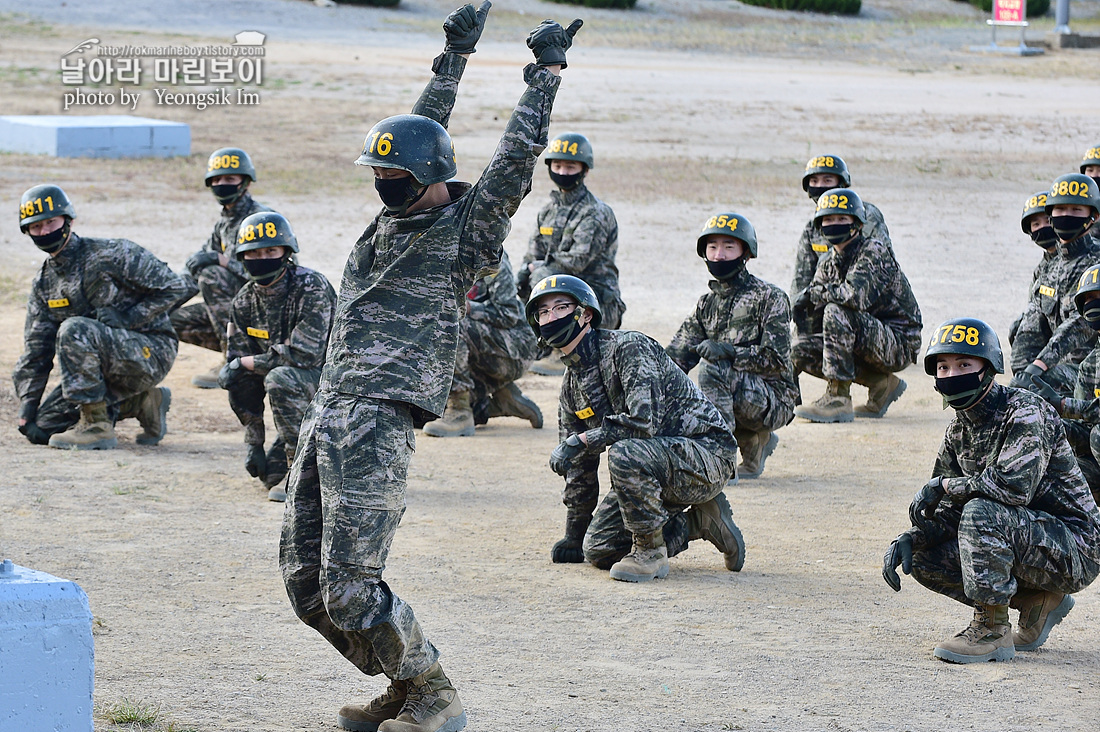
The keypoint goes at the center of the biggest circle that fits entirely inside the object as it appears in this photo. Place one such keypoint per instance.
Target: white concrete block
(94, 136)
(46, 653)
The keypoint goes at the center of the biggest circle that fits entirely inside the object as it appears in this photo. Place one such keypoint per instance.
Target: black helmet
(43, 202)
(729, 224)
(1037, 204)
(1092, 157)
(1089, 282)
(571, 146)
(828, 164)
(413, 143)
(229, 161)
(842, 201)
(262, 230)
(574, 287)
(1073, 189)
(964, 336)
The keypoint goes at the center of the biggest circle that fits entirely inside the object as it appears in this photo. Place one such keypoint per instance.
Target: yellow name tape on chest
(585, 413)
(546, 230)
(1044, 290)
(820, 248)
(1096, 393)
(257, 333)
(62, 302)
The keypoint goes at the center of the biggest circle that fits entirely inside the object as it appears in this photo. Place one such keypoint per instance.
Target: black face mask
(398, 194)
(816, 191)
(566, 182)
(264, 271)
(1090, 311)
(1045, 237)
(1069, 228)
(837, 233)
(227, 195)
(561, 332)
(964, 391)
(726, 269)
(52, 242)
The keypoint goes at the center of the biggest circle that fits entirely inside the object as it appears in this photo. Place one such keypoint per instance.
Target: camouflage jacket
(1028, 320)
(493, 301)
(286, 324)
(1010, 448)
(812, 246)
(89, 274)
(1084, 406)
(866, 277)
(1070, 338)
(223, 240)
(396, 326)
(577, 234)
(751, 314)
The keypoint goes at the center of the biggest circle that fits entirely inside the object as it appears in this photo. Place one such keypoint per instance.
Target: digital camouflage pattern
(1020, 517)
(577, 234)
(1053, 331)
(1030, 318)
(1081, 419)
(90, 280)
(755, 388)
(667, 445)
(813, 246)
(391, 357)
(203, 323)
(861, 313)
(285, 329)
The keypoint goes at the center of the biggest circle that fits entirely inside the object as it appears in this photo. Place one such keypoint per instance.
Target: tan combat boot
(1039, 612)
(509, 401)
(647, 560)
(755, 450)
(987, 638)
(713, 521)
(457, 419)
(882, 391)
(209, 379)
(549, 366)
(431, 705)
(367, 717)
(94, 431)
(834, 406)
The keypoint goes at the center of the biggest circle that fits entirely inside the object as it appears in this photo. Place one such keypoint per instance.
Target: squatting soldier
(278, 334)
(1090, 166)
(577, 234)
(866, 323)
(389, 365)
(824, 173)
(1036, 224)
(741, 330)
(1007, 519)
(217, 271)
(101, 306)
(668, 447)
(495, 348)
(1053, 342)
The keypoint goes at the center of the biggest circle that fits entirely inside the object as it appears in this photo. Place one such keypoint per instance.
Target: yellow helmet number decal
(252, 232)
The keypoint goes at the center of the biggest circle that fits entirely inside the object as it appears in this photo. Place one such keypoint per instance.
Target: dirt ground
(693, 107)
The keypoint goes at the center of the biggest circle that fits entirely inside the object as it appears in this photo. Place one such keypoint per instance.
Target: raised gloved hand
(1022, 379)
(200, 261)
(565, 453)
(925, 502)
(714, 351)
(463, 27)
(568, 550)
(110, 317)
(900, 554)
(256, 462)
(1046, 391)
(549, 42)
(230, 373)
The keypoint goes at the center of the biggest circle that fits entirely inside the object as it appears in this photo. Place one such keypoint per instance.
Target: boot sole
(109, 443)
(465, 432)
(1055, 616)
(733, 564)
(826, 420)
(203, 383)
(165, 404)
(630, 577)
(769, 448)
(890, 399)
(454, 724)
(999, 654)
(356, 726)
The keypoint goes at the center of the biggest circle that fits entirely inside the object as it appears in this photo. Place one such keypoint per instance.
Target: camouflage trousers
(288, 390)
(852, 346)
(1000, 550)
(1085, 441)
(490, 358)
(746, 400)
(103, 364)
(345, 498)
(652, 480)
(203, 323)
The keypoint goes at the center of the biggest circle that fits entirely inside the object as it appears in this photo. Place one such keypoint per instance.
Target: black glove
(568, 550)
(816, 295)
(713, 351)
(110, 317)
(256, 462)
(230, 373)
(463, 28)
(200, 261)
(549, 42)
(801, 300)
(925, 502)
(35, 434)
(28, 411)
(1047, 392)
(565, 453)
(900, 554)
(1022, 379)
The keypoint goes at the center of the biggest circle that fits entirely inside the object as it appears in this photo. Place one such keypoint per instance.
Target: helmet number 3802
(381, 143)
(957, 334)
(258, 231)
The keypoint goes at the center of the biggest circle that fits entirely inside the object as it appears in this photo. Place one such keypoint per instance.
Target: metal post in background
(1061, 17)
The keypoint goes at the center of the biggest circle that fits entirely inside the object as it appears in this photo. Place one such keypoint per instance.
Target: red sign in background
(1008, 11)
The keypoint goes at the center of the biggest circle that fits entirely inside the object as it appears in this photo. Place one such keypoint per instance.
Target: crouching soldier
(741, 330)
(668, 447)
(278, 335)
(1007, 519)
(101, 306)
